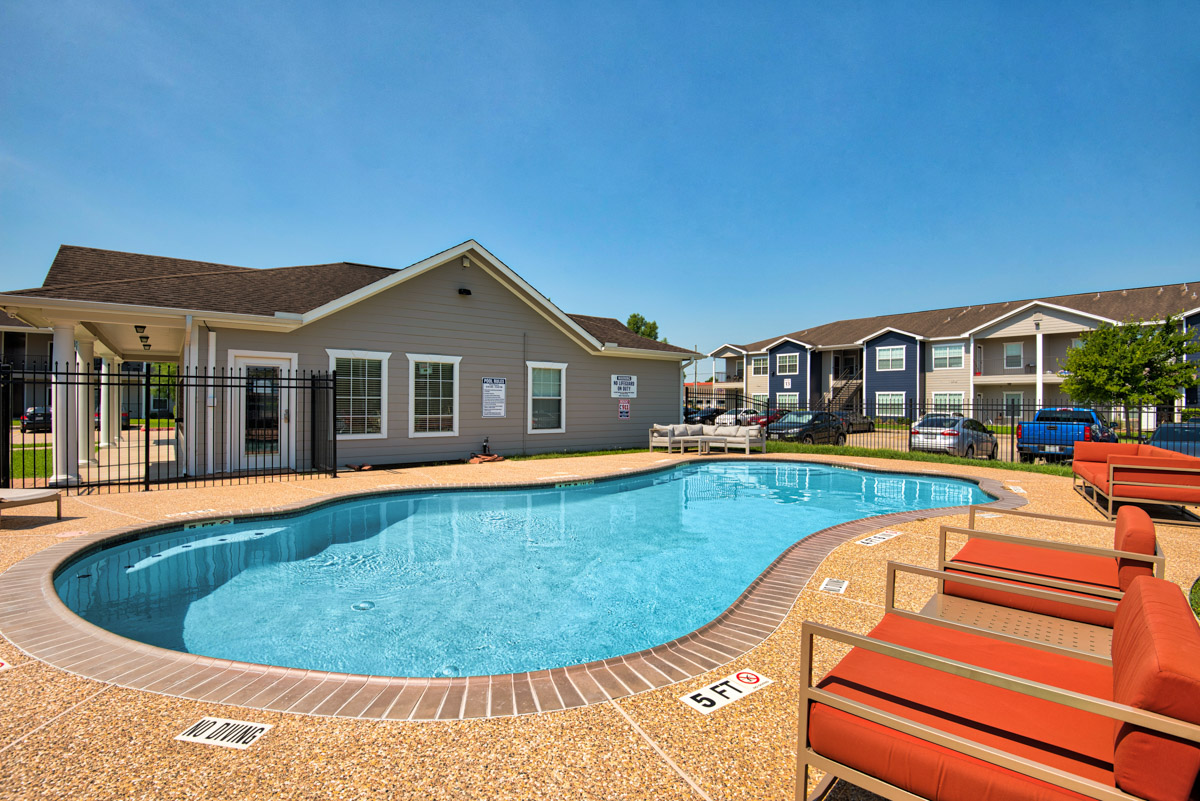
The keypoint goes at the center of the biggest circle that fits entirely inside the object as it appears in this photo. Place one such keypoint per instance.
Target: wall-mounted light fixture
(466, 261)
(462, 290)
(141, 329)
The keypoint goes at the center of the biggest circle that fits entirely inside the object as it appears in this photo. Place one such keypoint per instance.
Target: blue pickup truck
(1054, 432)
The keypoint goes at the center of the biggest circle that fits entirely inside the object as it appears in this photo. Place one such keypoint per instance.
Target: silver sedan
(952, 434)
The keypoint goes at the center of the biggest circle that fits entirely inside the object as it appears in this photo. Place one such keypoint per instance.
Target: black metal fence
(1000, 429)
(90, 430)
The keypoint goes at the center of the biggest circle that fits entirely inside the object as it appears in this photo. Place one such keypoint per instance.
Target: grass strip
(1194, 597)
(32, 462)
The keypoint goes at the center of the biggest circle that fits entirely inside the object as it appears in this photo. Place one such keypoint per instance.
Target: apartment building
(994, 355)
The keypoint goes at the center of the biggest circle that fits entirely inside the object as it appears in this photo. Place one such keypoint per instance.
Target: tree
(643, 327)
(1132, 364)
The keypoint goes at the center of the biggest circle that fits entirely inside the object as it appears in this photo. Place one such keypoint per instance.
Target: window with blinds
(547, 398)
(359, 395)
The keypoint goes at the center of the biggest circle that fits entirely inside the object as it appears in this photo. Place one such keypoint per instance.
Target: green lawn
(32, 462)
(137, 422)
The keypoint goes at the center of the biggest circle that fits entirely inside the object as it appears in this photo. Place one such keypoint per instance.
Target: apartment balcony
(1005, 371)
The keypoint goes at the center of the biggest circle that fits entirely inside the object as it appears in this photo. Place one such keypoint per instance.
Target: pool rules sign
(729, 689)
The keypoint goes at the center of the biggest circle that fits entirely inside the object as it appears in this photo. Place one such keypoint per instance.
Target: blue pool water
(468, 583)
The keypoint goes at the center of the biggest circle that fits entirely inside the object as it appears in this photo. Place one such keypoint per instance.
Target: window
(1014, 403)
(947, 357)
(889, 359)
(547, 383)
(1014, 355)
(1076, 342)
(889, 404)
(432, 395)
(760, 400)
(787, 400)
(787, 363)
(758, 365)
(360, 393)
(948, 402)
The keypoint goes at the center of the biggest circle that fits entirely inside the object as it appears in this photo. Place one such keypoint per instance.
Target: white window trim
(903, 359)
(903, 402)
(380, 356)
(962, 400)
(761, 397)
(1020, 366)
(779, 370)
(780, 403)
(766, 365)
(529, 367)
(962, 357)
(413, 358)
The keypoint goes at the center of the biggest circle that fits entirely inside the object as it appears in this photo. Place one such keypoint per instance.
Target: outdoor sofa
(925, 708)
(1052, 569)
(704, 437)
(1107, 473)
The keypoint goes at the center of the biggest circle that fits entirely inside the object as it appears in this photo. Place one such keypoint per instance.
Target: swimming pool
(480, 582)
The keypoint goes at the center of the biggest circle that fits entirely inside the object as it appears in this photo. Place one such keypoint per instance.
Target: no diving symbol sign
(726, 691)
(228, 733)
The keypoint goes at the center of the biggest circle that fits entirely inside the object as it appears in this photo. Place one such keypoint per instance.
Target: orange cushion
(1097, 571)
(1099, 451)
(1094, 472)
(1156, 667)
(1154, 450)
(1134, 532)
(1074, 741)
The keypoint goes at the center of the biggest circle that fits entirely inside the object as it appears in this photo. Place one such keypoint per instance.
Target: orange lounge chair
(1054, 568)
(918, 709)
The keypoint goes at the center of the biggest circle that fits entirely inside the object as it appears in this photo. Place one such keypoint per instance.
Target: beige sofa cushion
(696, 430)
(726, 431)
(679, 430)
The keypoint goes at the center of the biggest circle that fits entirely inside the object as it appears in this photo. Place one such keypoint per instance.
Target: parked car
(1054, 432)
(952, 434)
(809, 428)
(704, 416)
(1180, 437)
(768, 417)
(124, 419)
(855, 423)
(737, 417)
(36, 418)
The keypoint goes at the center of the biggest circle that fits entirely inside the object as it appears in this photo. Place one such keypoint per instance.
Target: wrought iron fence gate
(90, 430)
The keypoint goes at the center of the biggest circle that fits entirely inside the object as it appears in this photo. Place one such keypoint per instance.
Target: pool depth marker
(732, 688)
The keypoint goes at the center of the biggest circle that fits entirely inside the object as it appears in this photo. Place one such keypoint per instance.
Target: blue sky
(733, 171)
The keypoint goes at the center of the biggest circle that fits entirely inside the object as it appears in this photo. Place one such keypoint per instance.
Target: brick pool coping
(34, 619)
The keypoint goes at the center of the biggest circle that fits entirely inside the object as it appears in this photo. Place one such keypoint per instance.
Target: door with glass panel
(261, 408)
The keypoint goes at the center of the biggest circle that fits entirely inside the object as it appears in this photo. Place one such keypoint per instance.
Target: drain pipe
(210, 400)
(525, 394)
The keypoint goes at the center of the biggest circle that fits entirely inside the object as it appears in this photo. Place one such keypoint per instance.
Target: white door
(260, 409)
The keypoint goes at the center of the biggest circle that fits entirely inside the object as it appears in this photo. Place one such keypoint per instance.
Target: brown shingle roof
(108, 276)
(1144, 303)
(610, 329)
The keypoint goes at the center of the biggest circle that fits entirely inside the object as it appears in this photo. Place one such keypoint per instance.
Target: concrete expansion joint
(663, 754)
(59, 716)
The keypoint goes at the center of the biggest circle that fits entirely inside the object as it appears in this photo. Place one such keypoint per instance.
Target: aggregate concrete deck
(66, 736)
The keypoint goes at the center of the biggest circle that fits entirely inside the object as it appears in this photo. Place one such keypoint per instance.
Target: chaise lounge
(1108, 473)
(10, 498)
(704, 437)
(920, 708)
(1053, 568)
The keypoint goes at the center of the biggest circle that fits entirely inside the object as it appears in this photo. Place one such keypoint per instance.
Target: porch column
(110, 402)
(210, 402)
(86, 350)
(62, 422)
(1038, 369)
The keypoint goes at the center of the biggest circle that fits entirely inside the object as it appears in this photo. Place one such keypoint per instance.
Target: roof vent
(1185, 287)
(1124, 292)
(1160, 290)
(1097, 296)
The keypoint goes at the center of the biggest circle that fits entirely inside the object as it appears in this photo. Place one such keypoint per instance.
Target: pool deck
(66, 736)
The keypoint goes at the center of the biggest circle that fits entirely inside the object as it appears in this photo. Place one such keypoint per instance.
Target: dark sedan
(855, 423)
(809, 428)
(36, 418)
(1180, 437)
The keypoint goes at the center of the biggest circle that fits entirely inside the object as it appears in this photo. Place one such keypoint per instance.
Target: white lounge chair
(24, 497)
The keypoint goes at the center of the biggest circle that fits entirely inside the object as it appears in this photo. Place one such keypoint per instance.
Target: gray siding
(495, 333)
